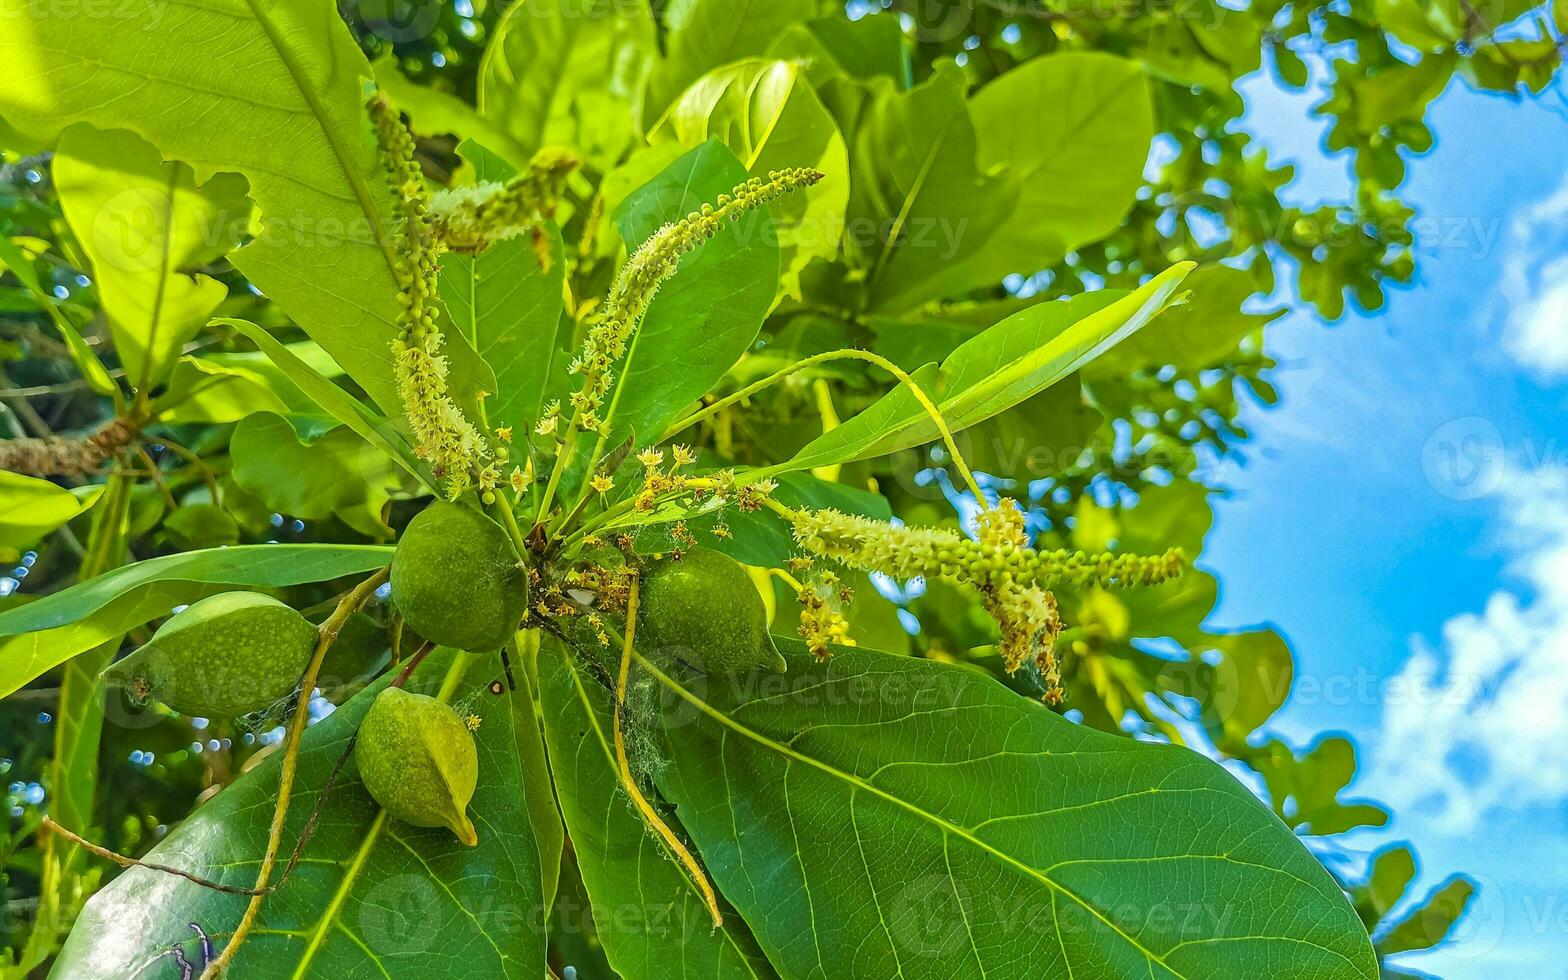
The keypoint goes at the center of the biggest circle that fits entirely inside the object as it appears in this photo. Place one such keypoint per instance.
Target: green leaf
(920, 205)
(1077, 157)
(146, 226)
(203, 390)
(258, 365)
(284, 107)
(864, 48)
(334, 400)
(1389, 873)
(1432, 920)
(769, 117)
(704, 34)
(310, 470)
(646, 908)
(1196, 334)
(371, 897)
(431, 111)
(995, 370)
(57, 627)
(886, 816)
(509, 308)
(705, 318)
(31, 508)
(194, 526)
(569, 73)
(1427, 25)
(1311, 782)
(1399, 92)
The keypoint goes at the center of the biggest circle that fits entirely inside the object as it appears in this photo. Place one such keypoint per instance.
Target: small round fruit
(457, 579)
(224, 656)
(703, 609)
(418, 760)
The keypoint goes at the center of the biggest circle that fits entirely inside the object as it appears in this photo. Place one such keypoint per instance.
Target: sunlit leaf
(975, 831)
(42, 634)
(146, 226)
(372, 896)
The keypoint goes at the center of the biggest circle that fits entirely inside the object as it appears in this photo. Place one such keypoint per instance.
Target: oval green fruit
(226, 655)
(418, 760)
(702, 609)
(457, 580)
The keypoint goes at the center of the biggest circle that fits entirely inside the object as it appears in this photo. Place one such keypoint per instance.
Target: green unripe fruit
(457, 579)
(418, 760)
(226, 655)
(703, 609)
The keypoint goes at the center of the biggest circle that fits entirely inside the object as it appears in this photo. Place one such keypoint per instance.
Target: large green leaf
(993, 371)
(645, 908)
(569, 72)
(371, 897)
(920, 203)
(767, 114)
(57, 627)
(283, 106)
(705, 318)
(704, 34)
(509, 308)
(883, 816)
(1073, 130)
(146, 226)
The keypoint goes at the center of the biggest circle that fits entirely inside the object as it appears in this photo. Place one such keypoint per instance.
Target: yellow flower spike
(443, 435)
(470, 219)
(654, 262)
(1011, 577)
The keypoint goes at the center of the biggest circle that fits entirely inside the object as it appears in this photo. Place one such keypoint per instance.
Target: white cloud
(1537, 333)
(1535, 287)
(1482, 723)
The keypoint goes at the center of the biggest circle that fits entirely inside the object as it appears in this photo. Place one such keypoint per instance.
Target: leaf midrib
(334, 139)
(940, 823)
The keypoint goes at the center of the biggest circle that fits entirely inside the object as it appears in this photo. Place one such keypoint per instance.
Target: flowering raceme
(1013, 578)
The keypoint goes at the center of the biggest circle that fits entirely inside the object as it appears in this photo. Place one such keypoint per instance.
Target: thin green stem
(568, 445)
(848, 353)
(509, 522)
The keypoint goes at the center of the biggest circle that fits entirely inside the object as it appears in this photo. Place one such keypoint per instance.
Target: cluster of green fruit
(457, 581)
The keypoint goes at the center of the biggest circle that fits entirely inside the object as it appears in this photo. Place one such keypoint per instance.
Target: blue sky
(1402, 517)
